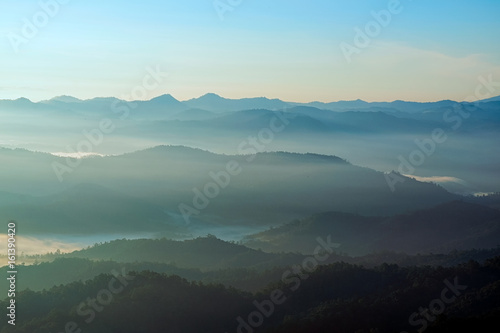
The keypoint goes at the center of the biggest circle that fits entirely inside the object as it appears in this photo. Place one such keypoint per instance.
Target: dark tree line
(340, 297)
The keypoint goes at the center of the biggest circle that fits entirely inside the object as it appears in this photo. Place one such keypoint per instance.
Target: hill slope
(451, 226)
(164, 189)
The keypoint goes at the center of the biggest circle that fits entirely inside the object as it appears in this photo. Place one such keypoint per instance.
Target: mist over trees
(253, 215)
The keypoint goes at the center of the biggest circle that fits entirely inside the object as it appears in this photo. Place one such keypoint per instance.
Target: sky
(300, 51)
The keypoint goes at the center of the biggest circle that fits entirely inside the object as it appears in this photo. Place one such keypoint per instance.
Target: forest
(339, 297)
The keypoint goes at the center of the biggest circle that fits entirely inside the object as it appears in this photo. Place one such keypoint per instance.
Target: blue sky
(288, 49)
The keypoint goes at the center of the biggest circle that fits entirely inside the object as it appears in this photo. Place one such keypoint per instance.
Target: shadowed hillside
(455, 225)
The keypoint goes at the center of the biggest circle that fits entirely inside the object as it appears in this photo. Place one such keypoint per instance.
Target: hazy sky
(429, 50)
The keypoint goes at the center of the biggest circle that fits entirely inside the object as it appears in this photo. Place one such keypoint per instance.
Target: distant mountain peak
(210, 96)
(103, 99)
(65, 99)
(164, 98)
(23, 100)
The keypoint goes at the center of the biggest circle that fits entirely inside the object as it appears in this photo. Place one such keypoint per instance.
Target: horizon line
(236, 99)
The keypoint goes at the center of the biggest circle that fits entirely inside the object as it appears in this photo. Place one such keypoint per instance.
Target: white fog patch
(76, 155)
(32, 245)
(42, 244)
(439, 179)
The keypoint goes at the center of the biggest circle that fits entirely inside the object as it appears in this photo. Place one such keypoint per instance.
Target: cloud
(439, 179)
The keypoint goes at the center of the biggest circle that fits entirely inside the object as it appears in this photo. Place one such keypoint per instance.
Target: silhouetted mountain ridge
(455, 225)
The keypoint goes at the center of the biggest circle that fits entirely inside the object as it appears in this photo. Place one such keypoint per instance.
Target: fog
(119, 178)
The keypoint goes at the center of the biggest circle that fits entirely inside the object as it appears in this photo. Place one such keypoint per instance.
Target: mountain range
(103, 194)
(376, 135)
(158, 160)
(167, 105)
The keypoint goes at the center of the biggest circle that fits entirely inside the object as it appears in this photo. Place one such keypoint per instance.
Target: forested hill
(455, 225)
(334, 298)
(203, 252)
